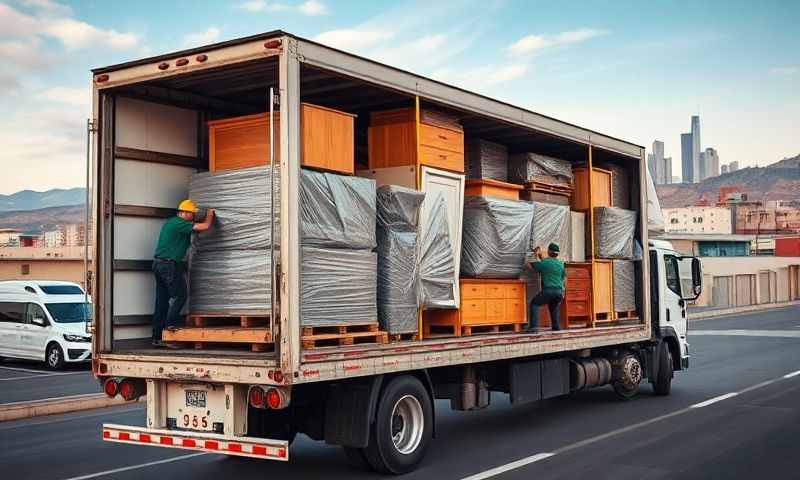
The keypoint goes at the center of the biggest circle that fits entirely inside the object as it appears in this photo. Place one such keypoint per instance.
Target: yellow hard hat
(188, 206)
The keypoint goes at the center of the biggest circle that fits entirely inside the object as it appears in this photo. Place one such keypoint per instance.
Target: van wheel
(403, 427)
(54, 357)
(663, 384)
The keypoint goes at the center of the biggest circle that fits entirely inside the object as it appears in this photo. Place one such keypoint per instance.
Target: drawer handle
(443, 137)
(443, 157)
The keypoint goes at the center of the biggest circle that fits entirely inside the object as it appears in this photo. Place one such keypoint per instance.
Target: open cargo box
(151, 138)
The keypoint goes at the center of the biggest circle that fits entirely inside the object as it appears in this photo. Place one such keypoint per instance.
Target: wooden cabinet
(578, 295)
(484, 303)
(601, 188)
(326, 140)
(492, 188)
(393, 142)
(603, 290)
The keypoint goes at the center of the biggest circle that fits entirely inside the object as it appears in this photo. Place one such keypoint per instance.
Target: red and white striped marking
(242, 446)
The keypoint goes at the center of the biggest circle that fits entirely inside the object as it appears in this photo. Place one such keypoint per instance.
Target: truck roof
(279, 33)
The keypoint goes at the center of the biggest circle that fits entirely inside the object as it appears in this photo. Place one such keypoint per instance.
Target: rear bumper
(197, 441)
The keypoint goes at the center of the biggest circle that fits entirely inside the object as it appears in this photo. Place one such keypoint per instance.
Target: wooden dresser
(601, 188)
(486, 306)
(585, 280)
(392, 141)
(492, 188)
(326, 140)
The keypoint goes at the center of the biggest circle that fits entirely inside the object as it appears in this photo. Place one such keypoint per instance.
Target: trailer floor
(145, 348)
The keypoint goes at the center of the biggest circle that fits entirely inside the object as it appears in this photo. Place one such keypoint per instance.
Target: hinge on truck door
(276, 100)
(91, 125)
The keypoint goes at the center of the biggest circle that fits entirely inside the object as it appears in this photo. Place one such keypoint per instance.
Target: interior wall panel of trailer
(155, 128)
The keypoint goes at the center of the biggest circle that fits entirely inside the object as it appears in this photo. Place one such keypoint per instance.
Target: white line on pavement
(711, 401)
(25, 423)
(541, 456)
(509, 466)
(42, 373)
(26, 377)
(749, 333)
(135, 467)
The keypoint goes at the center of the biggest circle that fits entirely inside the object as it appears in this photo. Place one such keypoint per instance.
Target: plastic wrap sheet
(496, 236)
(486, 160)
(527, 167)
(337, 210)
(620, 185)
(440, 118)
(551, 223)
(437, 263)
(338, 286)
(230, 281)
(398, 261)
(241, 200)
(614, 231)
(624, 286)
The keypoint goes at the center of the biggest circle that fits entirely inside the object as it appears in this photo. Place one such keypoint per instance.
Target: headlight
(76, 338)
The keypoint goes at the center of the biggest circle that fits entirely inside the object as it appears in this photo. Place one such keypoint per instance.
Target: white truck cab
(44, 321)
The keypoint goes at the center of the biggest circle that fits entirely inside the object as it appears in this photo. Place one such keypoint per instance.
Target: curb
(53, 406)
(699, 316)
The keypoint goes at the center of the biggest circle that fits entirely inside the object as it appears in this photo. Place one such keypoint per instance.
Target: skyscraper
(712, 162)
(699, 170)
(702, 163)
(687, 161)
(668, 170)
(657, 166)
(733, 166)
(724, 169)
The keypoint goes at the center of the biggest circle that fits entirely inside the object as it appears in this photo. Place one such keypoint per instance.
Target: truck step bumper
(198, 441)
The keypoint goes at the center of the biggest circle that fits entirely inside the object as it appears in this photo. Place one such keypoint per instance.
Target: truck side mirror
(697, 277)
(40, 321)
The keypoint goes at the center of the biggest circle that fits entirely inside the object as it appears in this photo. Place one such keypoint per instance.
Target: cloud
(313, 7)
(23, 53)
(787, 70)
(262, 6)
(8, 83)
(534, 43)
(506, 73)
(210, 35)
(48, 7)
(353, 39)
(81, 97)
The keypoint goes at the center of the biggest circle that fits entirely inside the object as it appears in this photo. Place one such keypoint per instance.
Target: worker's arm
(206, 223)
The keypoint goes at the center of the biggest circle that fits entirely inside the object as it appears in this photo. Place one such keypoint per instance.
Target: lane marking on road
(28, 377)
(23, 423)
(509, 466)
(749, 333)
(714, 400)
(136, 467)
(598, 438)
(42, 373)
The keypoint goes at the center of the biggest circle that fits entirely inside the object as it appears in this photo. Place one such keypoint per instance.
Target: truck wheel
(627, 373)
(356, 458)
(403, 427)
(54, 357)
(663, 384)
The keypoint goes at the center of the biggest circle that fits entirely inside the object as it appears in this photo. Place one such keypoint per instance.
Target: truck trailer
(151, 131)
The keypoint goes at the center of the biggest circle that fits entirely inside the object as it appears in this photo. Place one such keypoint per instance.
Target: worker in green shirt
(168, 266)
(553, 274)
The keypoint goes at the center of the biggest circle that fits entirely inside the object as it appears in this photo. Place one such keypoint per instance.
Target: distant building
(687, 163)
(660, 168)
(74, 234)
(9, 237)
(754, 218)
(62, 263)
(733, 166)
(54, 238)
(676, 179)
(724, 169)
(698, 169)
(712, 162)
(715, 220)
(668, 170)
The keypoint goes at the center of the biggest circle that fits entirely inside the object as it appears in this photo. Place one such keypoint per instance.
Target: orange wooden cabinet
(392, 139)
(326, 143)
(578, 295)
(603, 290)
(492, 188)
(483, 303)
(601, 188)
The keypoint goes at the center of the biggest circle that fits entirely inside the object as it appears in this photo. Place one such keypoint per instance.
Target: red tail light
(111, 387)
(256, 397)
(131, 388)
(274, 399)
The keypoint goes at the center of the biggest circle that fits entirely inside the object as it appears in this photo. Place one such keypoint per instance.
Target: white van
(44, 320)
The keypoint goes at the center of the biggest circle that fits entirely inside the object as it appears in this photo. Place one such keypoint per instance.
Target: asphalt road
(23, 381)
(732, 415)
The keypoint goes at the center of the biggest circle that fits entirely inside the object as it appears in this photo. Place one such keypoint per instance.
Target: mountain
(32, 200)
(37, 221)
(779, 181)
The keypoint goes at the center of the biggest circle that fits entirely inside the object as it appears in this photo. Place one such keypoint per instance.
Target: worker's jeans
(170, 296)
(551, 297)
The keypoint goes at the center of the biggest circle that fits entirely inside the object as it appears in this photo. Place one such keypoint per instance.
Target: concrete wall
(698, 220)
(63, 263)
(749, 271)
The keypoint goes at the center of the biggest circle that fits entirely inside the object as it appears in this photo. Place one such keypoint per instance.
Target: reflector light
(272, 44)
(126, 390)
(163, 66)
(111, 387)
(181, 62)
(201, 58)
(256, 397)
(274, 399)
(101, 78)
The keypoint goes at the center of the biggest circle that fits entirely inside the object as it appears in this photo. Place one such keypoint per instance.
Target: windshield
(69, 312)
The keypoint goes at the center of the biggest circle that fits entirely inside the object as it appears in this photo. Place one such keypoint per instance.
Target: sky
(634, 70)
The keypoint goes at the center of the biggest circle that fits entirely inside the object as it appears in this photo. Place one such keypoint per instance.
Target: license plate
(196, 398)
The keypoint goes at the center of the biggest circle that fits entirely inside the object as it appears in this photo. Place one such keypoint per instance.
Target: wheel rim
(407, 424)
(53, 357)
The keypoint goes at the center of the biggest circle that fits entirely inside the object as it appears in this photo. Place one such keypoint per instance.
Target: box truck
(159, 121)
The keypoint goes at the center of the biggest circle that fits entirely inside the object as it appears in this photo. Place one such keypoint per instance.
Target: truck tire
(403, 427)
(54, 357)
(627, 375)
(356, 458)
(663, 384)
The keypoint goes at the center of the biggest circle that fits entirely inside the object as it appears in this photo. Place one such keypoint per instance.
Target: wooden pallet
(257, 339)
(551, 188)
(403, 337)
(627, 315)
(245, 319)
(604, 317)
(340, 335)
(434, 331)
